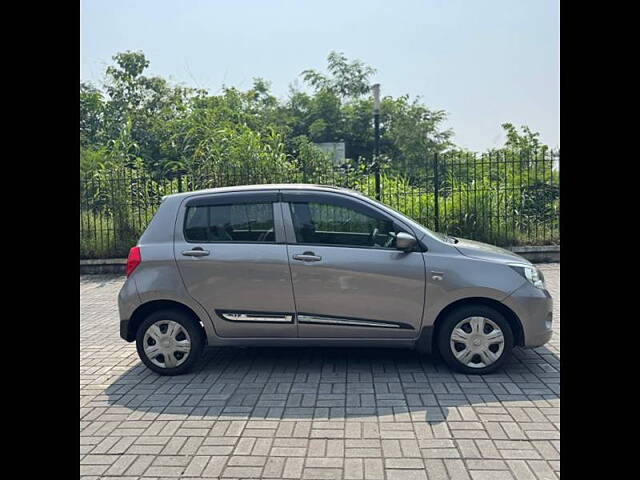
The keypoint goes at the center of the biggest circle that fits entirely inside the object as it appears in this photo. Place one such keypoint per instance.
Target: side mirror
(405, 242)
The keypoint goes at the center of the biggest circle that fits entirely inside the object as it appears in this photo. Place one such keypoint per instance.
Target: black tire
(194, 330)
(449, 323)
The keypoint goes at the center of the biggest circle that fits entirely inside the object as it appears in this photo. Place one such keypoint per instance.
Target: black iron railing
(504, 198)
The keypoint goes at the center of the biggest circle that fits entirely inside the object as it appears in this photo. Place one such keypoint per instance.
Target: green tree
(347, 80)
(91, 114)
(340, 110)
(165, 126)
(527, 143)
(144, 103)
(412, 132)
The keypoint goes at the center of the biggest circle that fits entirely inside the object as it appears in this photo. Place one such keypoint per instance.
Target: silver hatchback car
(306, 265)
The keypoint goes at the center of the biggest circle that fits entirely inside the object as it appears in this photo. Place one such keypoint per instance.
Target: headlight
(531, 273)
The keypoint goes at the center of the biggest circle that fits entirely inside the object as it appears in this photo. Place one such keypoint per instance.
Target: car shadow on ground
(334, 384)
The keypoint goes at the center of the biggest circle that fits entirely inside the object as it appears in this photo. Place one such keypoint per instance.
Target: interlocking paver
(312, 413)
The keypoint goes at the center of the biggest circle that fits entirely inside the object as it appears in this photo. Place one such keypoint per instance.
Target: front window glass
(328, 224)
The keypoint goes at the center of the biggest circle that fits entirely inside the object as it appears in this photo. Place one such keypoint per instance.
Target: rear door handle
(196, 252)
(307, 257)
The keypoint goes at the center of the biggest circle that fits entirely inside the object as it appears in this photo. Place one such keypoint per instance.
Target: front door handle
(307, 257)
(196, 252)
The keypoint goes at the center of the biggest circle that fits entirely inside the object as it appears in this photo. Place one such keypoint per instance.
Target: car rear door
(231, 254)
(349, 280)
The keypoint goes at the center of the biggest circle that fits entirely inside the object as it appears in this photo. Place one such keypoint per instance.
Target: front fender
(453, 277)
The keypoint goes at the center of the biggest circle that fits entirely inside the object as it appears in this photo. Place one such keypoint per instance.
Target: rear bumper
(128, 301)
(534, 308)
(124, 331)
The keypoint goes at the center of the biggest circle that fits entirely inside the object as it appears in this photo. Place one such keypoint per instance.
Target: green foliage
(141, 138)
(91, 114)
(170, 129)
(309, 159)
(527, 143)
(346, 79)
(482, 210)
(411, 132)
(92, 158)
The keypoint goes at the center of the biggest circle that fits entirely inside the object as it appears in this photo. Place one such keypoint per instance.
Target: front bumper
(534, 308)
(540, 339)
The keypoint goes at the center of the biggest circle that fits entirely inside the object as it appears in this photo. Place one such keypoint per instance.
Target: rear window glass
(246, 222)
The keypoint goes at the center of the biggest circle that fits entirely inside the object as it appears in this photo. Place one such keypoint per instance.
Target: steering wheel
(389, 242)
(264, 235)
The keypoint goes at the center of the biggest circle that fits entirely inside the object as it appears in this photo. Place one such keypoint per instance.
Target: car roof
(265, 187)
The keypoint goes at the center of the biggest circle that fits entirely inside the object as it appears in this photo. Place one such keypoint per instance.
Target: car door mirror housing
(405, 242)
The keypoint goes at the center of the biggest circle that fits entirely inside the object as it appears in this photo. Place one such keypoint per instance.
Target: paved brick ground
(312, 413)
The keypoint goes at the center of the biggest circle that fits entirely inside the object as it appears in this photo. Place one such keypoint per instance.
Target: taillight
(133, 260)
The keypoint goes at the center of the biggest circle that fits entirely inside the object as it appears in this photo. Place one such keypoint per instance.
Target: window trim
(361, 247)
(233, 198)
(285, 234)
(337, 199)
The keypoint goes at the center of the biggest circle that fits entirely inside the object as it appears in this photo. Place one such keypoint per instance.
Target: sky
(483, 62)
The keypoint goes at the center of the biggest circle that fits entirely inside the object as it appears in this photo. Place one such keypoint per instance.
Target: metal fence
(507, 199)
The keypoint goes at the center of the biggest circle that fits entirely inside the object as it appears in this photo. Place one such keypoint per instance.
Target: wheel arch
(140, 313)
(510, 315)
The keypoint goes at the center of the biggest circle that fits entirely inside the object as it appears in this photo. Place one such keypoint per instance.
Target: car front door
(349, 280)
(231, 254)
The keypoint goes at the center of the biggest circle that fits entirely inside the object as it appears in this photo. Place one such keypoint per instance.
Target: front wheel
(475, 339)
(169, 342)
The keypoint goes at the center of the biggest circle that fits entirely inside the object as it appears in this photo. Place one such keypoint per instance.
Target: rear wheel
(169, 342)
(475, 339)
